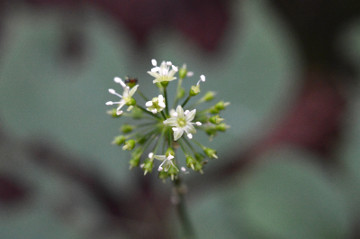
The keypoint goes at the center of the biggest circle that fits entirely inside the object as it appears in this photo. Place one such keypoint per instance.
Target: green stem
(142, 95)
(180, 191)
(166, 101)
(187, 99)
(177, 92)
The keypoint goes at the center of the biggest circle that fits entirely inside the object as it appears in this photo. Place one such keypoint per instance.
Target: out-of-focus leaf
(287, 197)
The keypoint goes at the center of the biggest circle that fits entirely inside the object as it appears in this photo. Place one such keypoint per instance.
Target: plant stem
(180, 191)
(166, 101)
(187, 99)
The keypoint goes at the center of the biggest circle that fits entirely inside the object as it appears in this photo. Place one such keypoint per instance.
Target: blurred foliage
(55, 99)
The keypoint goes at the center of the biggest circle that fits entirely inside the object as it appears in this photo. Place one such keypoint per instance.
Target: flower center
(181, 122)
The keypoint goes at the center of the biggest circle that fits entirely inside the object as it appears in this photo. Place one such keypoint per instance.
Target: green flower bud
(211, 153)
(126, 128)
(129, 144)
(198, 167)
(210, 95)
(141, 139)
(211, 131)
(221, 127)
(136, 113)
(194, 164)
(199, 157)
(213, 110)
(113, 114)
(182, 72)
(173, 171)
(221, 105)
(119, 140)
(148, 166)
(163, 175)
(215, 119)
(190, 162)
(180, 93)
(134, 162)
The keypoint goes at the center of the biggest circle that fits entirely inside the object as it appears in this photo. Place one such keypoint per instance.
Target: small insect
(131, 81)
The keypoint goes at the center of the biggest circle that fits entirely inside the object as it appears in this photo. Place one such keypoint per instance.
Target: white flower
(155, 105)
(166, 161)
(163, 73)
(181, 121)
(126, 97)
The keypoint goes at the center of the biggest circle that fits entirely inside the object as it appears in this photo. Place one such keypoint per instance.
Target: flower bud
(126, 128)
(182, 72)
(137, 113)
(180, 93)
(148, 166)
(129, 144)
(221, 105)
(210, 95)
(215, 119)
(134, 162)
(119, 140)
(190, 162)
(211, 153)
(113, 113)
(173, 171)
(221, 127)
(163, 175)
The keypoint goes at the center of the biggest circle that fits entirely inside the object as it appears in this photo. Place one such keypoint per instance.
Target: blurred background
(289, 166)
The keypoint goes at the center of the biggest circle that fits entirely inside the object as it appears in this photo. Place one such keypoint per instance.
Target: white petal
(191, 115)
(190, 129)
(133, 90)
(179, 111)
(162, 104)
(148, 103)
(178, 134)
(170, 157)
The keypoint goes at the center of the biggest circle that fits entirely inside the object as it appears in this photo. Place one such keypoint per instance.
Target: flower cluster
(163, 131)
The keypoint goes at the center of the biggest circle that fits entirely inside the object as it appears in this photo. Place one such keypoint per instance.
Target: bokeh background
(288, 167)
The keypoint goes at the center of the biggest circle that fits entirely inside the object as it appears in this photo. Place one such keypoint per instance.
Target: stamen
(109, 103)
(153, 62)
(189, 136)
(198, 123)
